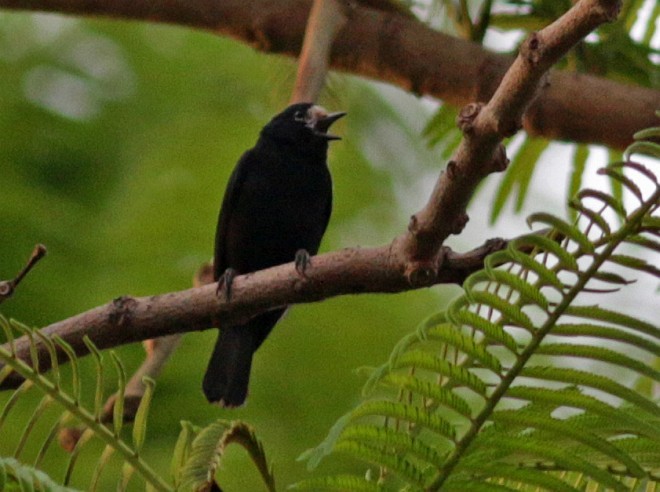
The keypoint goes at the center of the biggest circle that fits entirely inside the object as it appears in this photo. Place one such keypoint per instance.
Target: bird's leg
(225, 281)
(302, 261)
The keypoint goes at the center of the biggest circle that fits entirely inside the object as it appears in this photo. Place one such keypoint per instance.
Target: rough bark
(397, 49)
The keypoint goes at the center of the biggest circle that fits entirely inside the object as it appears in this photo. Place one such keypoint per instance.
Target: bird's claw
(302, 261)
(226, 281)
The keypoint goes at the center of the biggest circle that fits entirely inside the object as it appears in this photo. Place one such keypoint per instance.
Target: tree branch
(349, 271)
(391, 47)
(415, 259)
(326, 19)
(485, 126)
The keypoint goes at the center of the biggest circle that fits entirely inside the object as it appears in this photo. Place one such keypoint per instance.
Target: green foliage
(17, 476)
(205, 452)
(89, 420)
(103, 191)
(196, 456)
(483, 396)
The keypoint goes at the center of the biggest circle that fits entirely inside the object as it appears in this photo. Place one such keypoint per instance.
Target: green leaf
(511, 313)
(98, 362)
(530, 293)
(107, 453)
(28, 477)
(314, 456)
(75, 370)
(606, 332)
(547, 276)
(448, 334)
(600, 354)
(459, 376)
(600, 314)
(204, 458)
(635, 263)
(563, 429)
(583, 378)
(645, 148)
(606, 199)
(525, 476)
(118, 408)
(644, 242)
(461, 316)
(208, 447)
(433, 391)
(409, 413)
(627, 183)
(547, 451)
(575, 398)
(386, 438)
(545, 244)
(403, 467)
(140, 423)
(579, 165)
(43, 405)
(594, 217)
(182, 450)
(564, 228)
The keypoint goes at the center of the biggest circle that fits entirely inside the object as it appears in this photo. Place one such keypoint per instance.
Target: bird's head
(303, 123)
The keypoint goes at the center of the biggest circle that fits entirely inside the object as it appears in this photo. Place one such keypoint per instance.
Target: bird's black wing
(328, 208)
(229, 204)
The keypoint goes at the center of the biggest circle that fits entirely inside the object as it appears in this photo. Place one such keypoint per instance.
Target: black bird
(275, 210)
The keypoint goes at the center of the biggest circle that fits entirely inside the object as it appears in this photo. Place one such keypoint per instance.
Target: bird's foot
(302, 261)
(225, 282)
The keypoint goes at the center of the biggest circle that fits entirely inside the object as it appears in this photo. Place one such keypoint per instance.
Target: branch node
(467, 115)
(500, 160)
(120, 315)
(257, 35)
(421, 274)
(413, 225)
(610, 9)
(451, 169)
(532, 49)
(459, 223)
(7, 287)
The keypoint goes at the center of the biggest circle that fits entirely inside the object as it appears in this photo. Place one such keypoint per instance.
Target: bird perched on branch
(275, 210)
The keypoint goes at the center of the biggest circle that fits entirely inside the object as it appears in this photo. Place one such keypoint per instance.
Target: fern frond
(482, 393)
(206, 451)
(70, 402)
(26, 478)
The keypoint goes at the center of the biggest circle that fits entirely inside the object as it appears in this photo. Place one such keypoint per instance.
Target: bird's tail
(228, 373)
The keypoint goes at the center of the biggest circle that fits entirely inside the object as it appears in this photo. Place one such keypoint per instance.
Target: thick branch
(485, 126)
(390, 47)
(349, 271)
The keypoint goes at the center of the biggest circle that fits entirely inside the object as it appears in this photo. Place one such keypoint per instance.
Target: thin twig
(8, 287)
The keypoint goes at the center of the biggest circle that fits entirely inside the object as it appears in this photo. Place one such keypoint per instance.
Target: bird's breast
(281, 209)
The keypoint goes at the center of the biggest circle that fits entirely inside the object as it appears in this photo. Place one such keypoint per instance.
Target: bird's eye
(299, 116)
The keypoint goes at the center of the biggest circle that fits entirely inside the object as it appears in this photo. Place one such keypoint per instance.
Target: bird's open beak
(323, 124)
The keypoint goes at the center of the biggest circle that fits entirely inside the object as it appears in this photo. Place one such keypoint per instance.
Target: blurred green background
(116, 142)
